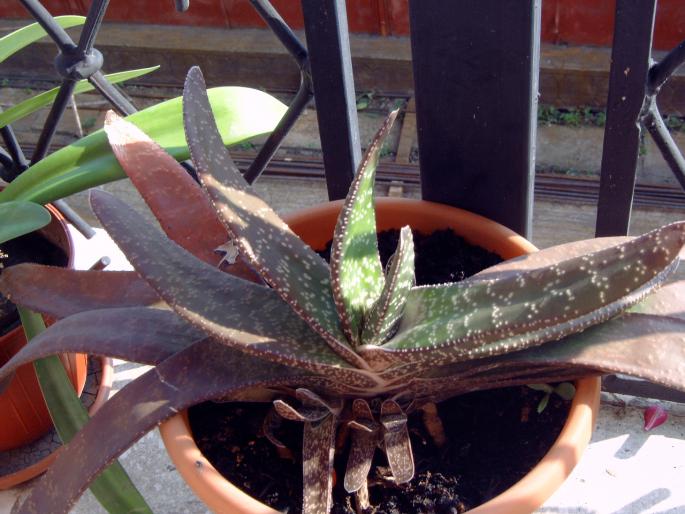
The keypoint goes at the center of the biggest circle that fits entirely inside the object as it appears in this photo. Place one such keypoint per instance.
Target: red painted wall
(580, 22)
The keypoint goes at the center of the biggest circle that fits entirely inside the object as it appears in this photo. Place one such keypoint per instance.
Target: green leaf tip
(356, 271)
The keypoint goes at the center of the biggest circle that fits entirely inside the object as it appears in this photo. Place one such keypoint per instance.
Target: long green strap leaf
(31, 105)
(241, 114)
(21, 38)
(19, 218)
(113, 489)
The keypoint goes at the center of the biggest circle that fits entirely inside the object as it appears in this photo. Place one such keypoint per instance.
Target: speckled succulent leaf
(356, 270)
(547, 257)
(397, 443)
(382, 318)
(135, 334)
(648, 345)
(318, 445)
(61, 292)
(189, 377)
(299, 413)
(285, 262)
(365, 435)
(494, 314)
(272, 422)
(176, 200)
(247, 316)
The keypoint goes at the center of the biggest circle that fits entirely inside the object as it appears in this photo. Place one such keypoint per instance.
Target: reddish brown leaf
(365, 435)
(134, 334)
(191, 376)
(177, 201)
(61, 292)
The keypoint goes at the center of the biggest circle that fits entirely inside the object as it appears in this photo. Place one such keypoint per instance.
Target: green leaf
(242, 113)
(21, 38)
(499, 312)
(356, 270)
(543, 403)
(566, 390)
(387, 311)
(19, 218)
(114, 489)
(34, 103)
(546, 388)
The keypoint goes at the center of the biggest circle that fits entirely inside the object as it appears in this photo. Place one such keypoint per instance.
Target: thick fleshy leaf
(647, 345)
(550, 256)
(31, 105)
(499, 314)
(283, 260)
(134, 334)
(301, 414)
(365, 434)
(19, 218)
(242, 113)
(318, 446)
(176, 200)
(189, 377)
(247, 316)
(397, 443)
(61, 292)
(388, 309)
(113, 489)
(23, 37)
(356, 270)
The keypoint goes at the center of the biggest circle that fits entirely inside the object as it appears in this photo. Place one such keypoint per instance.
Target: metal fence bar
(20, 162)
(304, 94)
(476, 84)
(54, 116)
(630, 61)
(325, 24)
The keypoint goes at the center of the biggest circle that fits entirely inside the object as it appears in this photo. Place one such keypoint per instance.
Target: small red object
(655, 415)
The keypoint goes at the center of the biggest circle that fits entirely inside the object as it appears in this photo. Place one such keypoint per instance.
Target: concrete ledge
(569, 76)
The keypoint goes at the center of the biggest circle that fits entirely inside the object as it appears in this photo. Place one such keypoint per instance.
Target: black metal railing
(476, 74)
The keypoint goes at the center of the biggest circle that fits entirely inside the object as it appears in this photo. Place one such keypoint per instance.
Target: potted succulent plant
(345, 346)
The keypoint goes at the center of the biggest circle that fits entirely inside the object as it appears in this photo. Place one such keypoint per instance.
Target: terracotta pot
(25, 415)
(315, 226)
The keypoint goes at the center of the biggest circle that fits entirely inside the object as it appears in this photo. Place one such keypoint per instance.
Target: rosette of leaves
(348, 344)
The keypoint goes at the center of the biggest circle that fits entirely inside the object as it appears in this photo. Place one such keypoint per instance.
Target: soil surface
(494, 437)
(28, 248)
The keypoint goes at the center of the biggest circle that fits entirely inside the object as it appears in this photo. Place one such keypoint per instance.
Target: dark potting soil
(441, 256)
(494, 437)
(28, 248)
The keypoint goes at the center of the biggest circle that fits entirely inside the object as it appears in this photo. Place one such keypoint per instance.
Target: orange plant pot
(315, 226)
(25, 416)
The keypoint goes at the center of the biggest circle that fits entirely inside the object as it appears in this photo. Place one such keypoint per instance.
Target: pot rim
(526, 495)
(35, 469)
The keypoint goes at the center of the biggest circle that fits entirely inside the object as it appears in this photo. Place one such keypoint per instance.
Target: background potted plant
(351, 344)
(51, 179)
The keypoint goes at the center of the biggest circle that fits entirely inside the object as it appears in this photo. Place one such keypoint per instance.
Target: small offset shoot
(565, 390)
(343, 348)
